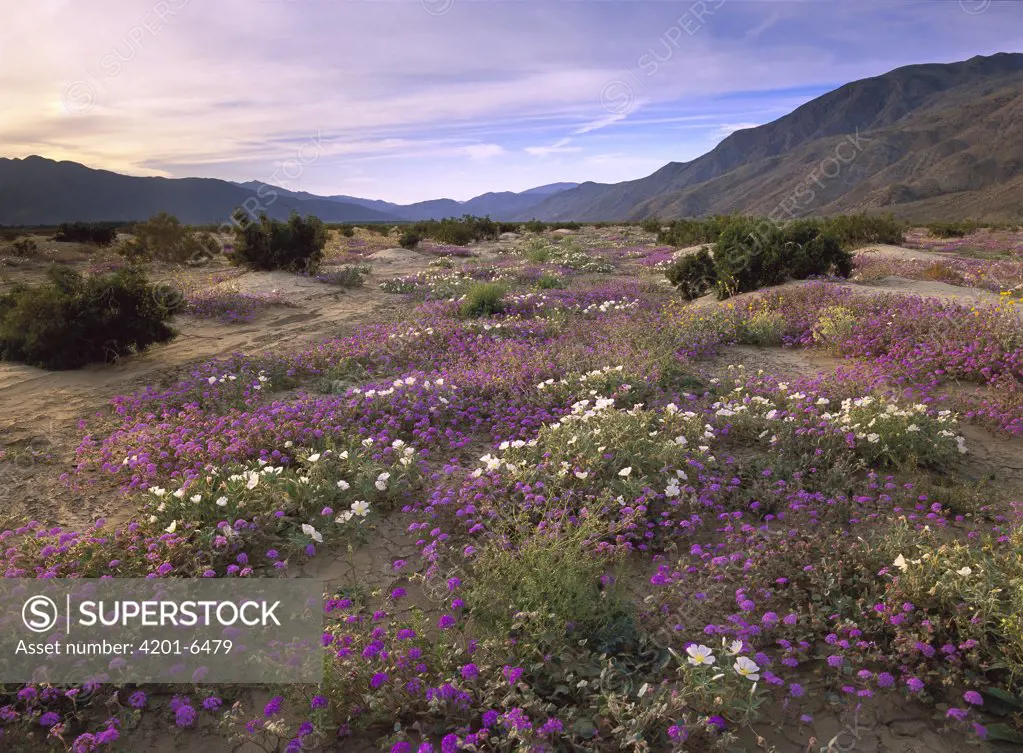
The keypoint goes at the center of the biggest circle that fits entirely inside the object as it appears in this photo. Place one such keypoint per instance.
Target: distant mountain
(381, 206)
(923, 141)
(39, 191)
(549, 189)
(499, 206)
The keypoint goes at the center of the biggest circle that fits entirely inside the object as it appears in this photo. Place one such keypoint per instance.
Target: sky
(408, 100)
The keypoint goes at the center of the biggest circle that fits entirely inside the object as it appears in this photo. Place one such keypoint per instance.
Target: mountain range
(942, 140)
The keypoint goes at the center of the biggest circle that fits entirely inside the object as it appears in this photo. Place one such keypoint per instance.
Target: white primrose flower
(308, 530)
(222, 502)
(747, 668)
(360, 508)
(625, 471)
(699, 655)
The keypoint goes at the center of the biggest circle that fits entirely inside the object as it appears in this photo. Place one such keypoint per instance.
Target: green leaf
(585, 728)
(1004, 695)
(1004, 732)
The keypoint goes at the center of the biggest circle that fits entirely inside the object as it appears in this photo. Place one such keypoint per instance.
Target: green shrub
(651, 225)
(163, 237)
(483, 299)
(565, 226)
(953, 229)
(345, 277)
(132, 250)
(548, 587)
(99, 233)
(765, 328)
(693, 275)
(348, 231)
(858, 229)
(24, 247)
(548, 281)
(538, 251)
(72, 321)
(457, 232)
(295, 245)
(508, 227)
(409, 239)
(534, 226)
(752, 254)
(687, 232)
(812, 249)
(208, 246)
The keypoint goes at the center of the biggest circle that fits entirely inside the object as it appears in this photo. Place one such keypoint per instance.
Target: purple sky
(408, 100)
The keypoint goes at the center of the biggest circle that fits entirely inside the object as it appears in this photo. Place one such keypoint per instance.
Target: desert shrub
(534, 226)
(508, 227)
(133, 250)
(409, 239)
(547, 281)
(565, 226)
(752, 254)
(345, 277)
(295, 245)
(965, 595)
(566, 253)
(483, 299)
(748, 255)
(548, 587)
(538, 251)
(764, 328)
(942, 273)
(72, 320)
(894, 435)
(458, 232)
(953, 229)
(693, 275)
(811, 249)
(99, 233)
(347, 231)
(24, 247)
(207, 244)
(833, 328)
(857, 229)
(689, 232)
(163, 237)
(651, 225)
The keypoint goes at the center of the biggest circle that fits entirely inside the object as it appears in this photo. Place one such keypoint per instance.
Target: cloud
(484, 152)
(559, 147)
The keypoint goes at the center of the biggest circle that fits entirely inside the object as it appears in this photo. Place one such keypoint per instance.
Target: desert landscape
(425, 377)
(754, 473)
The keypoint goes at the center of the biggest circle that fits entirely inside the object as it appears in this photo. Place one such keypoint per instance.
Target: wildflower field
(561, 510)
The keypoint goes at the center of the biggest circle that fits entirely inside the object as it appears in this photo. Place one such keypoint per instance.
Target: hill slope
(922, 141)
(38, 191)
